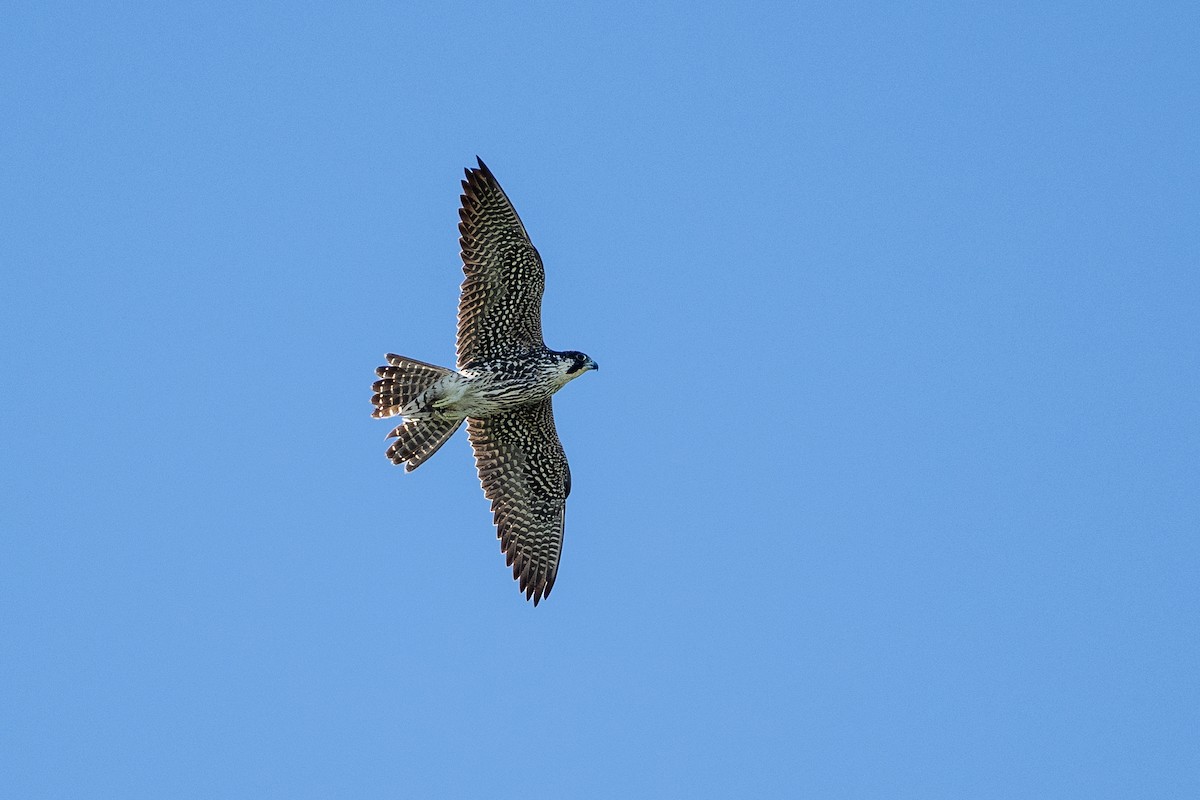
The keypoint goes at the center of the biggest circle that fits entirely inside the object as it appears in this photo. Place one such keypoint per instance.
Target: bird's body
(502, 387)
(488, 388)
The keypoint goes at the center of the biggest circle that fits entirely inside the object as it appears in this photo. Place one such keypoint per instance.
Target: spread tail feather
(401, 382)
(416, 441)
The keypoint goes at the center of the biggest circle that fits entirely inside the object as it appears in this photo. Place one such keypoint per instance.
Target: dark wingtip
(476, 175)
(483, 170)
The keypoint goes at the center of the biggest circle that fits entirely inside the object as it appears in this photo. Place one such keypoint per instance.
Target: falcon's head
(573, 363)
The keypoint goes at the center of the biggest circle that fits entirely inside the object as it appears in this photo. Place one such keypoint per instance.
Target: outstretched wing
(500, 309)
(524, 473)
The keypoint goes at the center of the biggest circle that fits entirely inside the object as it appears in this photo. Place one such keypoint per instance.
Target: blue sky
(887, 486)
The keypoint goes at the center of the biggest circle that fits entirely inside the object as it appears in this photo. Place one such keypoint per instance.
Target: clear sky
(887, 486)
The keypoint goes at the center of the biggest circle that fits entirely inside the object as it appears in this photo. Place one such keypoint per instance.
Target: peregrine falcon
(502, 387)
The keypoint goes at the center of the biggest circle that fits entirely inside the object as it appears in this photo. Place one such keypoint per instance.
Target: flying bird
(501, 388)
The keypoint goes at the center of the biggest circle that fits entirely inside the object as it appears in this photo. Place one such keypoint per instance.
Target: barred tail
(400, 383)
(417, 441)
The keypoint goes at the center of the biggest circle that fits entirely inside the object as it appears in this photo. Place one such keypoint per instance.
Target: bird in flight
(502, 387)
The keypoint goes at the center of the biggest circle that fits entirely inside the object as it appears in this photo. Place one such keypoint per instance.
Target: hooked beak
(592, 365)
